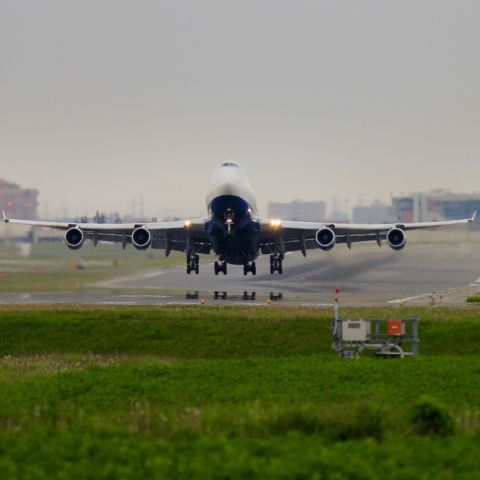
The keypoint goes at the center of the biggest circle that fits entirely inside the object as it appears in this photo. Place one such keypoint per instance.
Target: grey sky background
(103, 100)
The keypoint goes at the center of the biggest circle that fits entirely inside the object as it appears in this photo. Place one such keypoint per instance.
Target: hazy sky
(103, 100)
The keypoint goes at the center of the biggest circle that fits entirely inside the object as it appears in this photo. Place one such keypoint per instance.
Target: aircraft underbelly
(237, 249)
(237, 243)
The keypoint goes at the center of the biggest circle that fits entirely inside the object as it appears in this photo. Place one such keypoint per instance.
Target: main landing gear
(193, 262)
(220, 267)
(250, 267)
(276, 263)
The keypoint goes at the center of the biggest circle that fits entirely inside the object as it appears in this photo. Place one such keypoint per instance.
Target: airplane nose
(229, 188)
(229, 206)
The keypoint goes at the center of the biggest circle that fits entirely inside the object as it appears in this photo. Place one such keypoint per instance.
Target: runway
(365, 275)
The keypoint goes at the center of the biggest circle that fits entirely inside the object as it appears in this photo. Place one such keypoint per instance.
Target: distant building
(298, 210)
(377, 212)
(18, 202)
(435, 206)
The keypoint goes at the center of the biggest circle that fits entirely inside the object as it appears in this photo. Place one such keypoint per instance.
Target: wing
(286, 236)
(180, 235)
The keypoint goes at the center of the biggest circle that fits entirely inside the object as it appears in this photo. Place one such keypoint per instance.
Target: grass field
(232, 392)
(53, 267)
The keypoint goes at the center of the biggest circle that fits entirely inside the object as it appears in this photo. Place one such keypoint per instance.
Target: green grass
(232, 392)
(473, 299)
(53, 267)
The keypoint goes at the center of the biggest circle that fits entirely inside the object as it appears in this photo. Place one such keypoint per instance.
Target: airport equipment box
(355, 330)
(386, 336)
(396, 328)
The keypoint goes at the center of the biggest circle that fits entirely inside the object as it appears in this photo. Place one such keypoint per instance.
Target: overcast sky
(103, 100)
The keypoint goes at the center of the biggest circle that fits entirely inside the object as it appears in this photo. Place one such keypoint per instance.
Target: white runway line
(118, 282)
(409, 299)
(306, 304)
(144, 296)
(114, 303)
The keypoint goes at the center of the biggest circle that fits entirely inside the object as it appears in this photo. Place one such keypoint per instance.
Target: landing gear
(276, 263)
(220, 267)
(250, 267)
(193, 263)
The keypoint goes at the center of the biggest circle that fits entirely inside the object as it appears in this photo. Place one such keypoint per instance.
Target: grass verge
(232, 392)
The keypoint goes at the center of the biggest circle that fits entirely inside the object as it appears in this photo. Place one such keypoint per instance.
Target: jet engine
(325, 238)
(141, 238)
(74, 238)
(396, 238)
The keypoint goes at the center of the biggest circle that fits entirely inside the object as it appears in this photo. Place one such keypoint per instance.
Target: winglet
(474, 216)
(5, 219)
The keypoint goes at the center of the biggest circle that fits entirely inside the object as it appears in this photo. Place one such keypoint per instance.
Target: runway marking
(114, 303)
(317, 304)
(409, 299)
(144, 296)
(128, 278)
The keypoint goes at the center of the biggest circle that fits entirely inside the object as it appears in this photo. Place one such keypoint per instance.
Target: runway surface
(365, 275)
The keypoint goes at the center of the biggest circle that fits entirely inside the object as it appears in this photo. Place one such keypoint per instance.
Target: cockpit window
(229, 164)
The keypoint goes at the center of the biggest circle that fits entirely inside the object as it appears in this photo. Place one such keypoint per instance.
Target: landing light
(188, 224)
(275, 223)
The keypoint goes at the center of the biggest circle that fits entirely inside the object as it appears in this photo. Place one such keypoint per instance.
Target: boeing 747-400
(234, 231)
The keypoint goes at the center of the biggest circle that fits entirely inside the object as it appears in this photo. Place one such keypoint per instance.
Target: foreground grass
(228, 392)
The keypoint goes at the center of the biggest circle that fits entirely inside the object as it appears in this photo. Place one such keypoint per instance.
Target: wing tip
(474, 217)
(5, 219)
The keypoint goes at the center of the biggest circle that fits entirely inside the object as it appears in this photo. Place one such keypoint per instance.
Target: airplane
(234, 231)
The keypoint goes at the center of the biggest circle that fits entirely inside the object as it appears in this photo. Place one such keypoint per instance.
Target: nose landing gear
(193, 263)
(220, 267)
(250, 267)
(276, 263)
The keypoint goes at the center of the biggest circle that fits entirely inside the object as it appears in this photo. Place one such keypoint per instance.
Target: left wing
(183, 235)
(284, 236)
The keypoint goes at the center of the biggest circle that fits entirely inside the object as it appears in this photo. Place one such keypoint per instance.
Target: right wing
(182, 235)
(288, 236)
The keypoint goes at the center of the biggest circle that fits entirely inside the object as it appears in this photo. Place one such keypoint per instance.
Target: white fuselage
(233, 228)
(230, 179)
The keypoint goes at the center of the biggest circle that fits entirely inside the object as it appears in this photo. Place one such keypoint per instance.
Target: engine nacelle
(396, 238)
(141, 238)
(74, 238)
(325, 238)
